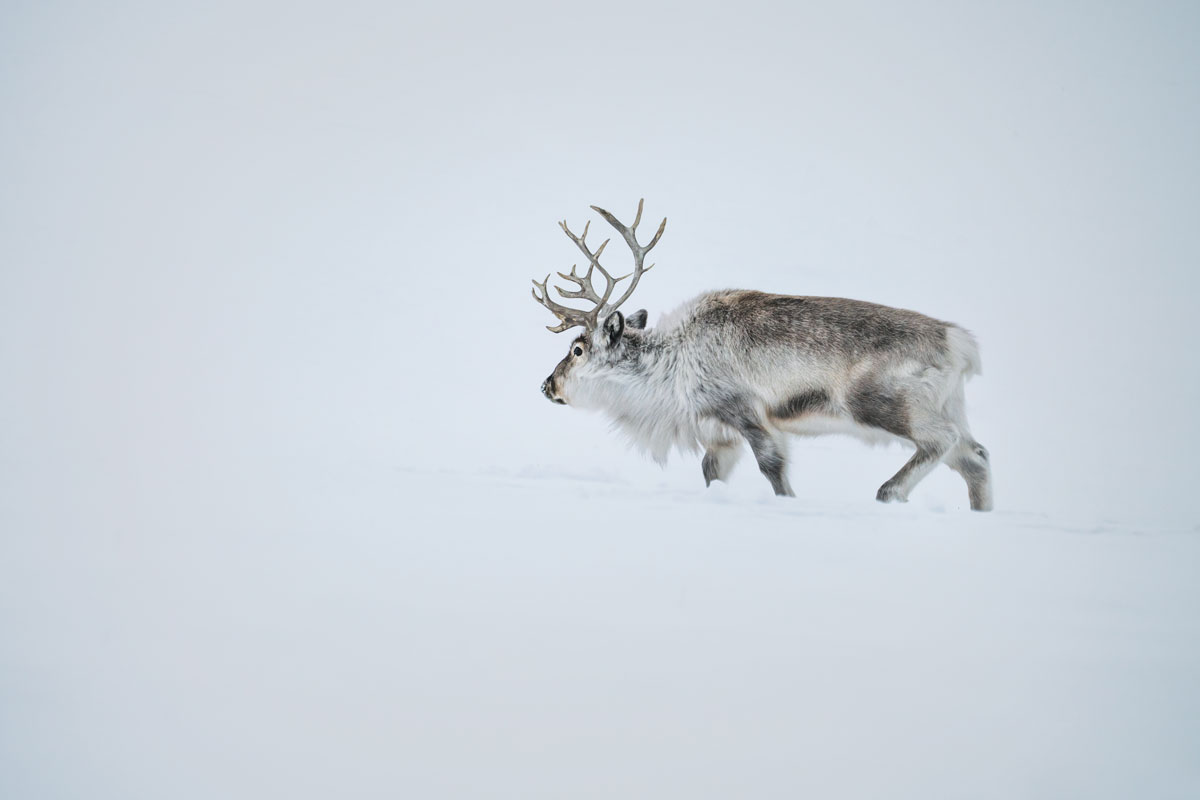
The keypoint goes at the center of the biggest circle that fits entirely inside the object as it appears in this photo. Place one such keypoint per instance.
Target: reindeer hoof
(890, 494)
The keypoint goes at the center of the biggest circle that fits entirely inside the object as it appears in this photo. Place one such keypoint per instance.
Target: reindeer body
(734, 365)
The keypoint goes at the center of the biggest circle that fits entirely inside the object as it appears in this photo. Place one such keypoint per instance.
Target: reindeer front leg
(719, 460)
(768, 447)
(771, 456)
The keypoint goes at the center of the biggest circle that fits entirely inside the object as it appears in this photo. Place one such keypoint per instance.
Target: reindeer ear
(614, 326)
(637, 320)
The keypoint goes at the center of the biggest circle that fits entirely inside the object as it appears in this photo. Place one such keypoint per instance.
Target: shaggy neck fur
(645, 384)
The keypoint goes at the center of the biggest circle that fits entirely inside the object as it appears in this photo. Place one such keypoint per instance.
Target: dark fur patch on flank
(804, 403)
(870, 405)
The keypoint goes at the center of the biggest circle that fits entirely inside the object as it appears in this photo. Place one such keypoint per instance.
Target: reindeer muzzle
(548, 390)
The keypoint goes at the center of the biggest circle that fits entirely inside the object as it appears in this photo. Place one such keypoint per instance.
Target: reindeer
(736, 364)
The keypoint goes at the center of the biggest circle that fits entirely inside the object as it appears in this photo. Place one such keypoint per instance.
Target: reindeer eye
(578, 351)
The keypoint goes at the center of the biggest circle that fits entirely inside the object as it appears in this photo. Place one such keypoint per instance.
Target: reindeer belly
(824, 424)
(815, 413)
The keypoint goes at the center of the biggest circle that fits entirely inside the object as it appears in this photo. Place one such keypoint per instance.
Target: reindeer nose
(546, 388)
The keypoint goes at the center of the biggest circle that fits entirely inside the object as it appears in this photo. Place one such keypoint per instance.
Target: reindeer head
(600, 346)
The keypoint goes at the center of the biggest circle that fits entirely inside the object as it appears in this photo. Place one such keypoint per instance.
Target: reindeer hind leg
(897, 487)
(934, 435)
(970, 460)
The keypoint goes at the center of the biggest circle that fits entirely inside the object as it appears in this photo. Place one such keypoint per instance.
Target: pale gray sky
(237, 229)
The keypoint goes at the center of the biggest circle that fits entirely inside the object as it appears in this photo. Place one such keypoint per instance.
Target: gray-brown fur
(740, 414)
(637, 320)
(876, 406)
(820, 327)
(742, 365)
(798, 405)
(761, 366)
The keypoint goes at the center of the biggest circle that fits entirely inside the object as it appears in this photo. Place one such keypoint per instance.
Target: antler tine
(570, 317)
(587, 289)
(590, 319)
(662, 227)
(639, 251)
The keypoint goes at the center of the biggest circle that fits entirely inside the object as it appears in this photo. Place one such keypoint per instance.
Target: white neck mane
(651, 403)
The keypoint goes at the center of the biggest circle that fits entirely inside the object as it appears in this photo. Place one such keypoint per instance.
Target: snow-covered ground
(283, 512)
(381, 632)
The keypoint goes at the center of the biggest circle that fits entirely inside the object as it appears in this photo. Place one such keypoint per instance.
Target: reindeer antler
(590, 318)
(639, 252)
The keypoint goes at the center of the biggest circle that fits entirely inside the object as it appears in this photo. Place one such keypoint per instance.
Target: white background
(283, 510)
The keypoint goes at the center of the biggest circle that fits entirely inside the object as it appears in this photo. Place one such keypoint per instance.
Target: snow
(371, 631)
(283, 512)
